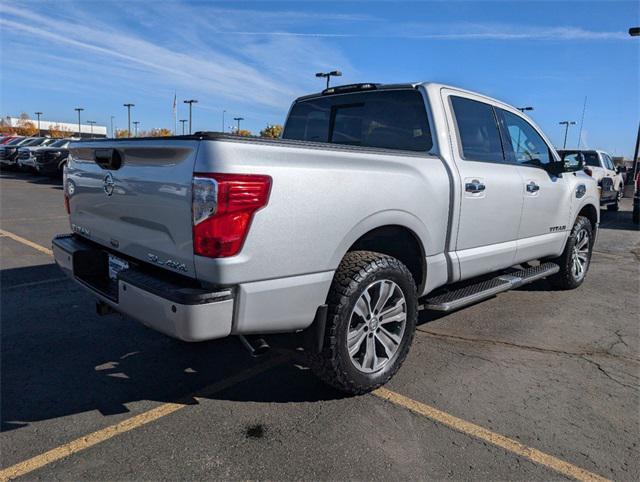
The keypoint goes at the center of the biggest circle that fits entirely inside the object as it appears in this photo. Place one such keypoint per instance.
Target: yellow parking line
(132, 423)
(26, 242)
(468, 428)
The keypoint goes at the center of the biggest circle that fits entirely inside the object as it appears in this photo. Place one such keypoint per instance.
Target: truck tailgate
(134, 197)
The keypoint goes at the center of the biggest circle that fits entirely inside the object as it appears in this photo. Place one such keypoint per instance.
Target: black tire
(358, 272)
(566, 278)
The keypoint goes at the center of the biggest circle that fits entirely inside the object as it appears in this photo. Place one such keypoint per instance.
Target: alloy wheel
(376, 326)
(580, 255)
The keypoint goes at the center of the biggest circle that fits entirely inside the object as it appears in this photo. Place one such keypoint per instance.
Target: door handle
(532, 187)
(474, 186)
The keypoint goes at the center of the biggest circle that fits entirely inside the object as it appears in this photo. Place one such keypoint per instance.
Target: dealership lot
(89, 397)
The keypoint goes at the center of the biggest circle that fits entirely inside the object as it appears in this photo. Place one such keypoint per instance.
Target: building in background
(68, 128)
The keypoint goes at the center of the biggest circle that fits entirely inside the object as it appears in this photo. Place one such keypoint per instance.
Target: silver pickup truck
(378, 201)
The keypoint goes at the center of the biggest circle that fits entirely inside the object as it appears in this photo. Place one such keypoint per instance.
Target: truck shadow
(59, 358)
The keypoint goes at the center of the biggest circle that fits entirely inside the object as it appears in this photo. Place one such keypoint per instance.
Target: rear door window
(478, 130)
(390, 119)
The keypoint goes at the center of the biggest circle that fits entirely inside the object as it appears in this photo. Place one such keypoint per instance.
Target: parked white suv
(600, 166)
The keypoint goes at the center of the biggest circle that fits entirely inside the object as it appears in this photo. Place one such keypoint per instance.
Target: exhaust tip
(257, 347)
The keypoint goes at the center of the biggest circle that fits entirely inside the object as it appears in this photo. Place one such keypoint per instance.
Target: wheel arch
(395, 238)
(590, 212)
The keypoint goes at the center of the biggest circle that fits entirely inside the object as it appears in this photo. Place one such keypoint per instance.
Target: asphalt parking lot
(531, 385)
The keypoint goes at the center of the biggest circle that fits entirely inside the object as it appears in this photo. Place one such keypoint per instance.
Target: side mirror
(572, 162)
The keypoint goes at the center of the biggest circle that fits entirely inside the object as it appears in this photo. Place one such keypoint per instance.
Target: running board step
(486, 289)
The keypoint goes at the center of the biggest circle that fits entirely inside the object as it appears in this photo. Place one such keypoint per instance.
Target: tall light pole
(113, 135)
(190, 102)
(238, 119)
(635, 32)
(223, 113)
(566, 131)
(328, 75)
(129, 106)
(522, 109)
(91, 124)
(39, 114)
(135, 123)
(183, 122)
(78, 110)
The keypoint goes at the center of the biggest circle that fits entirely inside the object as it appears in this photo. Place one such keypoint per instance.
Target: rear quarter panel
(321, 202)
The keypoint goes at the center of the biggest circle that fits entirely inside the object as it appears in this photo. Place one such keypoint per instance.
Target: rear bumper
(171, 306)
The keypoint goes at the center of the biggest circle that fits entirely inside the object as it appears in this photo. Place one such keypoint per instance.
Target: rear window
(391, 119)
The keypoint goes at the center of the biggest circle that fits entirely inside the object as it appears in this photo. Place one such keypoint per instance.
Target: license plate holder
(116, 265)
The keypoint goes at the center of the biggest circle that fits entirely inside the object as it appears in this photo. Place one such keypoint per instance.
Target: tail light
(588, 171)
(223, 207)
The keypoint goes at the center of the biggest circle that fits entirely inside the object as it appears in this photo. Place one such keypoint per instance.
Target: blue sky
(253, 58)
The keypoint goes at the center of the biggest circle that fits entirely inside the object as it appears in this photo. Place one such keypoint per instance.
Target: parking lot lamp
(328, 75)
(223, 113)
(190, 102)
(522, 109)
(129, 106)
(635, 32)
(38, 114)
(135, 124)
(183, 122)
(91, 124)
(566, 130)
(238, 119)
(113, 135)
(78, 110)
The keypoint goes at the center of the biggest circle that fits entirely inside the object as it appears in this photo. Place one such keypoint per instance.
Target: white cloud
(263, 72)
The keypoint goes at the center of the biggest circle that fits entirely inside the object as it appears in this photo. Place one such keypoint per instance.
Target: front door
(547, 198)
(492, 196)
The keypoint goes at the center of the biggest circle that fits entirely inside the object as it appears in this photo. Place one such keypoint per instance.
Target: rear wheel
(373, 309)
(576, 258)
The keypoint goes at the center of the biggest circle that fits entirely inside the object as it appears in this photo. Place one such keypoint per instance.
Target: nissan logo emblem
(108, 184)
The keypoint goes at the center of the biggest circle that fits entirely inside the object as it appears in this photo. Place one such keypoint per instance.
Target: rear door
(547, 198)
(491, 201)
(134, 197)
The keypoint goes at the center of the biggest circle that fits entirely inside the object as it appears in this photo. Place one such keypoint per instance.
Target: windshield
(36, 141)
(60, 143)
(391, 119)
(15, 141)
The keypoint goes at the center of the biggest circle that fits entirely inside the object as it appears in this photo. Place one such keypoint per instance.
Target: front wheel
(576, 258)
(373, 309)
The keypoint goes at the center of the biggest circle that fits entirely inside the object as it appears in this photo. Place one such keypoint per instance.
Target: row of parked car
(43, 155)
